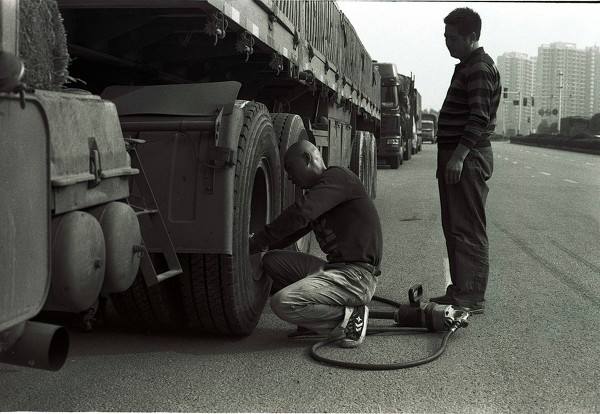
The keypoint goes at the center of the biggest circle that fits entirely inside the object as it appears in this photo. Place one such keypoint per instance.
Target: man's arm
(333, 189)
(481, 84)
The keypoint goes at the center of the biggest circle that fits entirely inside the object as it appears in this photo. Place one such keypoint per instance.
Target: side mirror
(11, 71)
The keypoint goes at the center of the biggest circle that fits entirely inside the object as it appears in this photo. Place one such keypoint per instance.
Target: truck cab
(390, 145)
(429, 127)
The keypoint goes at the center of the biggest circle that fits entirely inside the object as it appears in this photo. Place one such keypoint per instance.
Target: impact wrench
(418, 316)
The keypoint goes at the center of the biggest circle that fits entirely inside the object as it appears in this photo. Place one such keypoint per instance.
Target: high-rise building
(579, 70)
(517, 76)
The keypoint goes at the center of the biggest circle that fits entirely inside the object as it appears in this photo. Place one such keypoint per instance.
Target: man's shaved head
(304, 164)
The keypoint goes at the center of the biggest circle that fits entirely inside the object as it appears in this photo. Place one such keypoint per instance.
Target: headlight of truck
(393, 141)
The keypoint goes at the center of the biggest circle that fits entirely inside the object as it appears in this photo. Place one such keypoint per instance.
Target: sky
(411, 34)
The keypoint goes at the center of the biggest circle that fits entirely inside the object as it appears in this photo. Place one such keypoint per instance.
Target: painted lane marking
(528, 151)
(589, 163)
(528, 167)
(515, 162)
(505, 159)
(545, 173)
(446, 263)
(570, 181)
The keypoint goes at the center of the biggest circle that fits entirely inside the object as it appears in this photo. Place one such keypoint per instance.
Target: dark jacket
(340, 212)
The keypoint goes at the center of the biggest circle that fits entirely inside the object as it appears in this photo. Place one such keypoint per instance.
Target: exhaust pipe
(40, 346)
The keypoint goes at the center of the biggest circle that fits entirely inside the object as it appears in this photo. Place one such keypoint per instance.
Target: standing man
(323, 296)
(465, 159)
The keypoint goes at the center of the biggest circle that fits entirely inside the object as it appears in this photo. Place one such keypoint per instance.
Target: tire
(155, 307)
(395, 162)
(289, 129)
(225, 294)
(372, 148)
(363, 161)
(358, 161)
(408, 151)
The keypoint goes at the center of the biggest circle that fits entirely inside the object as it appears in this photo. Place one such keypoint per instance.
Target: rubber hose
(381, 367)
(377, 367)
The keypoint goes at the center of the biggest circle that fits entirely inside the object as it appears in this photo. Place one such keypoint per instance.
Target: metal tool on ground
(419, 315)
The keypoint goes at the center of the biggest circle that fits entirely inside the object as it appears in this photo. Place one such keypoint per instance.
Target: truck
(142, 143)
(391, 145)
(416, 112)
(429, 127)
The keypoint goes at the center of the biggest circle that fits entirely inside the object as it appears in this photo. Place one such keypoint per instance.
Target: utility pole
(560, 88)
(504, 117)
(520, 110)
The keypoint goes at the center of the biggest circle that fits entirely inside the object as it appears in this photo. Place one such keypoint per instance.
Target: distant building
(580, 79)
(538, 77)
(517, 73)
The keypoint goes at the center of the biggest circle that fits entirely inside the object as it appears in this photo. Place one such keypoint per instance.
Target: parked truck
(391, 145)
(416, 112)
(429, 127)
(140, 181)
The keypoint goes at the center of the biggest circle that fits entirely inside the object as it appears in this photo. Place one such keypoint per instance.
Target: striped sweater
(468, 115)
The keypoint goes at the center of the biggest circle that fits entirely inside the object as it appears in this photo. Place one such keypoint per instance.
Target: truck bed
(141, 41)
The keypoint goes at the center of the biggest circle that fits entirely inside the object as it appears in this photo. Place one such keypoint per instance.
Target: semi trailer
(142, 144)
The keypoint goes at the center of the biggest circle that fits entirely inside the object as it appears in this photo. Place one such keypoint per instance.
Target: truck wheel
(372, 148)
(289, 129)
(408, 151)
(155, 307)
(359, 159)
(223, 293)
(395, 162)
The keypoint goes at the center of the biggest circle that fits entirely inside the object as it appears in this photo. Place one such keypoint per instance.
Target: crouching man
(323, 296)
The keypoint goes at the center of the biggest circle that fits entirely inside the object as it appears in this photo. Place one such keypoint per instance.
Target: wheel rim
(260, 208)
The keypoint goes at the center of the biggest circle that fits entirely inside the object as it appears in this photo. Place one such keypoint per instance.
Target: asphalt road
(534, 350)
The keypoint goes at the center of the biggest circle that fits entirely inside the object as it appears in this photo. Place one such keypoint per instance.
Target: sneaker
(355, 329)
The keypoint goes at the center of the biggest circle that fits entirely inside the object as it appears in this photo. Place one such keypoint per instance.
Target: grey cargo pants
(309, 296)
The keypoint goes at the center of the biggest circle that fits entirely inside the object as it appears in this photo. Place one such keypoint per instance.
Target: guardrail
(585, 144)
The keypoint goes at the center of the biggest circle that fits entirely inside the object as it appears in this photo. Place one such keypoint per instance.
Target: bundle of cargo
(43, 44)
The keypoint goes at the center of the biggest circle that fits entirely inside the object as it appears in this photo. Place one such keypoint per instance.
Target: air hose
(452, 319)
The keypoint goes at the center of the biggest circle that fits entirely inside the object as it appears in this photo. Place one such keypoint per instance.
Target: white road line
(528, 167)
(570, 181)
(447, 271)
(505, 159)
(533, 176)
(589, 163)
(515, 162)
(545, 173)
(527, 151)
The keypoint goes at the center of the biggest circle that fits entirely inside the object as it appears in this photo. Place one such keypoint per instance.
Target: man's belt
(374, 270)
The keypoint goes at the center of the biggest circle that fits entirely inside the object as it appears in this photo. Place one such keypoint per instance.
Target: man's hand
(455, 164)
(255, 244)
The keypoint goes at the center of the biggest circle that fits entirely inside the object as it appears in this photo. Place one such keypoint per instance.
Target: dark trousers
(464, 223)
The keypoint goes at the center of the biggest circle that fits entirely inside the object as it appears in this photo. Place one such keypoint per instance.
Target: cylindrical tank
(122, 233)
(78, 262)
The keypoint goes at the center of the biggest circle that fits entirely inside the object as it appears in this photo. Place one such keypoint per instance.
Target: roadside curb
(558, 147)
